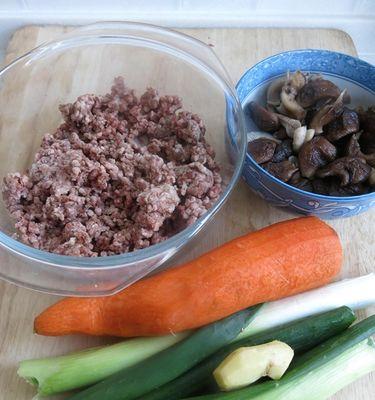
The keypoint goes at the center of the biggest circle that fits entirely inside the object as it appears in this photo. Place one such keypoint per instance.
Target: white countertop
(356, 17)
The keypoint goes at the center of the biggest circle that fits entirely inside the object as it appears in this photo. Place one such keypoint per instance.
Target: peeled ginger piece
(248, 364)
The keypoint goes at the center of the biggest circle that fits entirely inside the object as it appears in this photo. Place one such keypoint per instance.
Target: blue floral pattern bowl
(346, 71)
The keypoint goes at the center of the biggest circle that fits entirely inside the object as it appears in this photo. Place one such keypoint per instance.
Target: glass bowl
(86, 60)
(345, 71)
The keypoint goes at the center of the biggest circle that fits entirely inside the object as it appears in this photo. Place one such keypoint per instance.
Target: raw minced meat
(120, 173)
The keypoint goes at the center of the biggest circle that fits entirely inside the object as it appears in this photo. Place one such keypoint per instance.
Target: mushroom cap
(283, 151)
(350, 170)
(315, 90)
(349, 190)
(301, 183)
(283, 170)
(280, 134)
(367, 124)
(367, 119)
(353, 149)
(345, 124)
(265, 120)
(262, 150)
(315, 154)
(367, 142)
(330, 187)
(321, 186)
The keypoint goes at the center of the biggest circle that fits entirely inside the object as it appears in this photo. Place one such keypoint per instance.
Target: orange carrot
(283, 259)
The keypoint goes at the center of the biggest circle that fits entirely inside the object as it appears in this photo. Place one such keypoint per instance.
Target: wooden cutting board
(238, 49)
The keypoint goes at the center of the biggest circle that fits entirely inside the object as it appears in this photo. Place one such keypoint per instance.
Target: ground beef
(120, 173)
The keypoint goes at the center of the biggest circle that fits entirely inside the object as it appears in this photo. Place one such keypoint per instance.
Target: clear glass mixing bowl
(86, 60)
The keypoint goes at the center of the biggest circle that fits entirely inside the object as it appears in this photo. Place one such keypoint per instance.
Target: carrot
(283, 259)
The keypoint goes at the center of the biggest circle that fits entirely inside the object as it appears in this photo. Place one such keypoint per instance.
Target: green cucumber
(319, 373)
(167, 365)
(301, 335)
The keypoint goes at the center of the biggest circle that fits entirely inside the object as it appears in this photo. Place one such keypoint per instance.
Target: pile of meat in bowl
(120, 173)
(312, 139)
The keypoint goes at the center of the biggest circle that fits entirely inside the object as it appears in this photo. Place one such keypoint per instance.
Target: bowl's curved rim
(278, 181)
(169, 246)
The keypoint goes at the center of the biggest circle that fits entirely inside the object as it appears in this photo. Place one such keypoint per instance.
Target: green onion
(319, 384)
(319, 373)
(355, 293)
(325, 381)
(133, 383)
(59, 374)
(302, 335)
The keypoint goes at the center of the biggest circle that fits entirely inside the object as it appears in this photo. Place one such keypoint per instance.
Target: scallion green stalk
(319, 373)
(59, 374)
(324, 382)
(318, 384)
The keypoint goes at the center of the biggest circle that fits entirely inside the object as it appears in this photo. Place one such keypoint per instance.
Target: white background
(356, 17)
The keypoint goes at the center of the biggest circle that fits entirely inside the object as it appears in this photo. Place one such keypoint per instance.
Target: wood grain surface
(238, 49)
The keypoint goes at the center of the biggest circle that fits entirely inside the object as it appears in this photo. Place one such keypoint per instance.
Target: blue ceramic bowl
(347, 72)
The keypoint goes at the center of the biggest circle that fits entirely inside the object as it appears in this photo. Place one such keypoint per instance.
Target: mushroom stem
(289, 124)
(274, 90)
(253, 135)
(289, 93)
(299, 137)
(327, 114)
(309, 134)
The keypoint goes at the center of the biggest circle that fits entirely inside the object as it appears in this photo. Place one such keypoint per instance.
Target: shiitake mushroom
(337, 159)
(350, 170)
(315, 154)
(265, 120)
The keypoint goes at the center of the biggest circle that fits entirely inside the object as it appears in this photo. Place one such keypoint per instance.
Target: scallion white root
(59, 374)
(355, 293)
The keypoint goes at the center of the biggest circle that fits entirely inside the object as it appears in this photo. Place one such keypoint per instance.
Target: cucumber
(319, 373)
(165, 366)
(301, 335)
